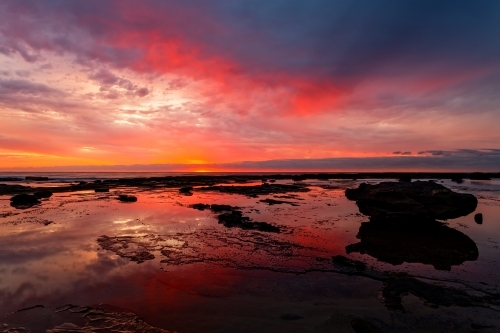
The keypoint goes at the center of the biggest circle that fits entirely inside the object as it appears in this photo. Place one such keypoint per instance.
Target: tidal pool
(84, 261)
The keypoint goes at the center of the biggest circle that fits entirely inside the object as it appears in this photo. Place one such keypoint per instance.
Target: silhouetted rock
(43, 194)
(127, 198)
(405, 179)
(37, 178)
(478, 218)
(200, 206)
(479, 176)
(23, 201)
(10, 179)
(101, 189)
(271, 202)
(457, 180)
(221, 208)
(363, 326)
(256, 190)
(430, 243)
(236, 219)
(186, 190)
(416, 201)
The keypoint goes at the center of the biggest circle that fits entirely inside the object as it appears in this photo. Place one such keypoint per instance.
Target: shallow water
(208, 278)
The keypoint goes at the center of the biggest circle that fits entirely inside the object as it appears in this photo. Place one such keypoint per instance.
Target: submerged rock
(186, 190)
(43, 194)
(478, 218)
(235, 219)
(127, 198)
(271, 202)
(23, 201)
(256, 190)
(431, 243)
(415, 201)
(36, 178)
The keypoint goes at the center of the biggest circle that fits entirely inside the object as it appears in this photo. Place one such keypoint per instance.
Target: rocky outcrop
(127, 198)
(23, 201)
(411, 201)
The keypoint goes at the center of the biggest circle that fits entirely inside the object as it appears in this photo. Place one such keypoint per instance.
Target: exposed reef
(24, 201)
(256, 190)
(417, 201)
(127, 198)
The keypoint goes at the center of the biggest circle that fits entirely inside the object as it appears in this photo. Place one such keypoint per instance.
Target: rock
(271, 202)
(363, 326)
(480, 327)
(478, 218)
(43, 194)
(200, 206)
(346, 265)
(37, 178)
(186, 190)
(236, 219)
(127, 198)
(416, 201)
(405, 179)
(256, 190)
(434, 296)
(289, 316)
(221, 208)
(101, 189)
(479, 176)
(10, 179)
(457, 180)
(429, 243)
(23, 201)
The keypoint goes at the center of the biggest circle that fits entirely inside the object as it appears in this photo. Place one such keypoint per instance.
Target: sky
(233, 84)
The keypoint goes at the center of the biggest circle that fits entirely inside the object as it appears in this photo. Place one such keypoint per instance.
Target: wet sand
(160, 264)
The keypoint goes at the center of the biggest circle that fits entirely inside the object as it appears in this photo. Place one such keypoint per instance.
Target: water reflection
(429, 243)
(223, 276)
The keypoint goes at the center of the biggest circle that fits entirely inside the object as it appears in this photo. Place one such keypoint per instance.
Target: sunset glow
(94, 83)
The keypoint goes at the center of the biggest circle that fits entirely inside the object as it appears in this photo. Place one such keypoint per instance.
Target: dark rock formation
(127, 198)
(214, 207)
(271, 202)
(416, 201)
(430, 243)
(457, 180)
(235, 219)
(478, 218)
(101, 189)
(23, 201)
(479, 176)
(200, 206)
(37, 178)
(256, 190)
(186, 190)
(43, 194)
(10, 179)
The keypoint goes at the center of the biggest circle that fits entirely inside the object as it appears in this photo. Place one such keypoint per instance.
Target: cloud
(279, 81)
(24, 87)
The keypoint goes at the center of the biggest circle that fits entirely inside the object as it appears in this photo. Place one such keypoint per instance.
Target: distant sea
(88, 176)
